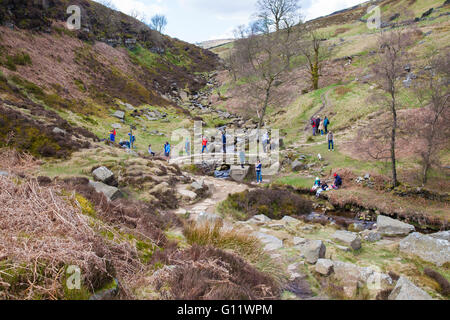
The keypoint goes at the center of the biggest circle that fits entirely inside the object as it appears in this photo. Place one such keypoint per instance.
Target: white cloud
(319, 8)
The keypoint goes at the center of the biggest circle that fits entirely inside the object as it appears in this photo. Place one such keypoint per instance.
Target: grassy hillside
(88, 74)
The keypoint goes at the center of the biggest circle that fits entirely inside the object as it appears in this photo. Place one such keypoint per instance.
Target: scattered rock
(57, 130)
(190, 195)
(428, 248)
(119, 114)
(406, 290)
(4, 174)
(111, 193)
(391, 227)
(290, 220)
(197, 185)
(297, 166)
(313, 250)
(343, 248)
(351, 239)
(259, 220)
(271, 242)
(105, 175)
(116, 126)
(298, 241)
(372, 236)
(324, 267)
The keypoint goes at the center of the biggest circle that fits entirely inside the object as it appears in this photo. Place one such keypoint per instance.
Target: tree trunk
(393, 138)
(263, 111)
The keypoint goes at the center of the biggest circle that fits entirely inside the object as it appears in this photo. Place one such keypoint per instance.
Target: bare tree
(261, 58)
(431, 124)
(158, 22)
(314, 49)
(279, 13)
(392, 58)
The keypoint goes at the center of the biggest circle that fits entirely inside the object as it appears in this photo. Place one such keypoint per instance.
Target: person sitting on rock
(316, 185)
(323, 187)
(150, 152)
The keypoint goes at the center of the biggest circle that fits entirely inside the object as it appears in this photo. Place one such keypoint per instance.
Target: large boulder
(104, 175)
(444, 235)
(391, 227)
(270, 242)
(4, 174)
(324, 267)
(348, 238)
(313, 250)
(187, 194)
(430, 249)
(353, 277)
(406, 290)
(111, 193)
(238, 173)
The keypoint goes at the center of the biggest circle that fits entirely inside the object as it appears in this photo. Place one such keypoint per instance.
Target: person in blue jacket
(224, 141)
(167, 150)
(326, 123)
(258, 168)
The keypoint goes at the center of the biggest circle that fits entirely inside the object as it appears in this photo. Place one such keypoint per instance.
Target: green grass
(295, 181)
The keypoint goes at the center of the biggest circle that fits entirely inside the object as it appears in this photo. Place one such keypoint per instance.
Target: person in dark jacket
(337, 181)
(224, 141)
(326, 123)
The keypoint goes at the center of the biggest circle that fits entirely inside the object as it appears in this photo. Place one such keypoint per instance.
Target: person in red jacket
(204, 144)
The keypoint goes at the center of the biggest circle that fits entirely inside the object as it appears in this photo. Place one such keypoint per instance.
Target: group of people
(129, 144)
(320, 126)
(320, 187)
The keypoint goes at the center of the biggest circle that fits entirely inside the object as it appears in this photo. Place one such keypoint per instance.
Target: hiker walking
(204, 144)
(150, 152)
(318, 120)
(330, 139)
(326, 123)
(258, 168)
(167, 150)
(132, 139)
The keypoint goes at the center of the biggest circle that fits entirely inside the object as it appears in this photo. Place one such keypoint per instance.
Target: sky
(200, 20)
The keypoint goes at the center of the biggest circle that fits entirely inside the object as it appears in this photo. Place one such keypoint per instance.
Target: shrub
(440, 279)
(207, 273)
(273, 203)
(213, 234)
